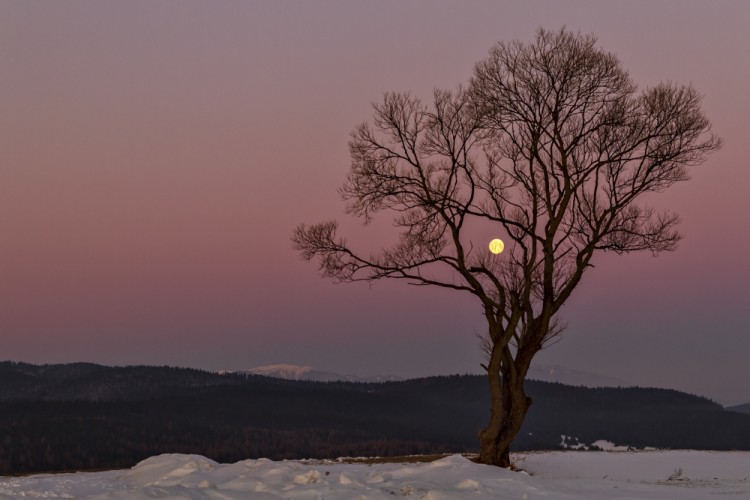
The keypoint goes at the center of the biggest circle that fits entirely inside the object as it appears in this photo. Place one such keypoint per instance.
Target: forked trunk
(509, 407)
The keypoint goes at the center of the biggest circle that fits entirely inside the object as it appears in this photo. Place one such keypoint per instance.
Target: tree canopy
(553, 143)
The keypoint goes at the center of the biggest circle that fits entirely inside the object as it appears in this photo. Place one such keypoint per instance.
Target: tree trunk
(509, 407)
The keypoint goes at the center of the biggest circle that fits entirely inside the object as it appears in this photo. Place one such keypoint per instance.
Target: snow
(608, 446)
(296, 372)
(548, 475)
(571, 443)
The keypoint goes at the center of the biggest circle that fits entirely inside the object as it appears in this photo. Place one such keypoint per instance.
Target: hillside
(92, 382)
(89, 416)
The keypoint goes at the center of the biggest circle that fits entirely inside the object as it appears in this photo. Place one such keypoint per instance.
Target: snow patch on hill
(296, 372)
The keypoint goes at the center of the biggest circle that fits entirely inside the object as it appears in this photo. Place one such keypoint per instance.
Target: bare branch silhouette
(552, 142)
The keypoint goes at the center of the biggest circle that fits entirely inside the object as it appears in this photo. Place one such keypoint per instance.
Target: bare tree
(553, 144)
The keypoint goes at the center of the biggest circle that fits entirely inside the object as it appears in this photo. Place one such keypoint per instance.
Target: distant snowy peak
(554, 373)
(744, 408)
(295, 372)
(291, 372)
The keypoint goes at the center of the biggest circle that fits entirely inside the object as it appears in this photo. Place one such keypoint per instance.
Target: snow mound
(666, 475)
(170, 470)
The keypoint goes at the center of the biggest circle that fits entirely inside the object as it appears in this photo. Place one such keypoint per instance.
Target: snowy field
(548, 475)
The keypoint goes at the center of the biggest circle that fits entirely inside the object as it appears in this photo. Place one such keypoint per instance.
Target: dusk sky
(156, 156)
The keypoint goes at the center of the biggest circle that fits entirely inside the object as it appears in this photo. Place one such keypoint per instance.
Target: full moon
(497, 246)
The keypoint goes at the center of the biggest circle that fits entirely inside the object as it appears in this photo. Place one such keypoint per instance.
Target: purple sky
(155, 157)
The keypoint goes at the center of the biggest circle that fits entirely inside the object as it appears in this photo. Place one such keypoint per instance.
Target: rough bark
(509, 406)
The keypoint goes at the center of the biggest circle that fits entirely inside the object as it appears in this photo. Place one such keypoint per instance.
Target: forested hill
(92, 382)
(58, 417)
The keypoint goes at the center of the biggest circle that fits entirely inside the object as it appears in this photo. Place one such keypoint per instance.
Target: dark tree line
(237, 418)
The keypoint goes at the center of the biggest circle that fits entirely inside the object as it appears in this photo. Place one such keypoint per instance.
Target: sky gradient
(156, 156)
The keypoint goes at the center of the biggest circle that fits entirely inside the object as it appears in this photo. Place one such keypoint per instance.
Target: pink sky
(155, 157)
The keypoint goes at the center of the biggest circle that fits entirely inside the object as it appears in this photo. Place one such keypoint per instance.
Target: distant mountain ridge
(296, 372)
(576, 378)
(744, 408)
(542, 372)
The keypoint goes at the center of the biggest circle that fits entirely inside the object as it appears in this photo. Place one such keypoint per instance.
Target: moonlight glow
(496, 246)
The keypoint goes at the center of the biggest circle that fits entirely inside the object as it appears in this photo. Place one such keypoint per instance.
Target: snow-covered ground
(551, 475)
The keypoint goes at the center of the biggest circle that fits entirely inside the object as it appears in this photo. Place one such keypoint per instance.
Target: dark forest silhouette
(86, 416)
